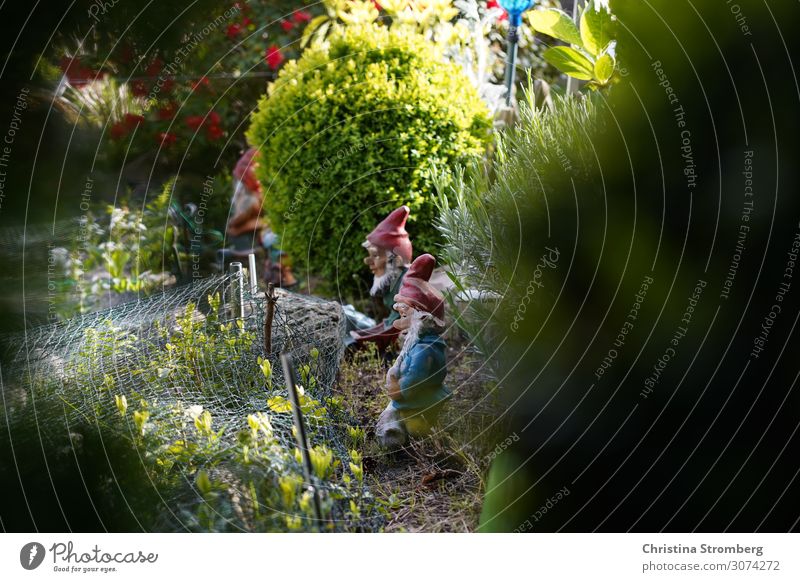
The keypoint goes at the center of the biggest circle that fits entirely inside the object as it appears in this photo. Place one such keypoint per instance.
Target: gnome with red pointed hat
(245, 224)
(246, 231)
(415, 383)
(389, 253)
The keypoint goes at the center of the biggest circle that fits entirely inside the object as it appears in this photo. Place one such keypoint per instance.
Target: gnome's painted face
(406, 316)
(376, 260)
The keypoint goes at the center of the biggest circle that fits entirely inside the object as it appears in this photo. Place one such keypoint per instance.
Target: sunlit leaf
(596, 29)
(604, 68)
(279, 404)
(555, 23)
(569, 61)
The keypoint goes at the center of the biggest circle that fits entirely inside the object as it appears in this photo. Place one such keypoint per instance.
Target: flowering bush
(186, 102)
(350, 131)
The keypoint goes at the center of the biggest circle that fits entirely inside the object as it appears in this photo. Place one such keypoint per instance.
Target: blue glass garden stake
(515, 8)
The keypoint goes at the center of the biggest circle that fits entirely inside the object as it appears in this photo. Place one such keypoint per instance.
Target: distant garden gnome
(415, 383)
(390, 253)
(245, 225)
(247, 231)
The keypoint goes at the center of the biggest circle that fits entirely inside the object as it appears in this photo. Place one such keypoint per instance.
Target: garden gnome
(415, 383)
(245, 224)
(246, 230)
(390, 253)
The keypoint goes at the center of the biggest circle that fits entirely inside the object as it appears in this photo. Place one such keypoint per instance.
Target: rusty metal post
(271, 300)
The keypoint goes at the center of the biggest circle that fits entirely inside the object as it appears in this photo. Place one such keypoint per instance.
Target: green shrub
(349, 131)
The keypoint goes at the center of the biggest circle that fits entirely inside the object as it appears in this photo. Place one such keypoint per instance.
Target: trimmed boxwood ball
(348, 132)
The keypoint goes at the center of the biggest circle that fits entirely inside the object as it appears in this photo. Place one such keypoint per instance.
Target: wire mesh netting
(189, 387)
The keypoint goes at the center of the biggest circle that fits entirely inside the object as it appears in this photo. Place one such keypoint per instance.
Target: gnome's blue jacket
(421, 374)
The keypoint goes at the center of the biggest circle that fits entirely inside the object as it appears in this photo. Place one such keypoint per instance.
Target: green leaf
(266, 367)
(312, 26)
(604, 68)
(279, 404)
(569, 61)
(122, 404)
(596, 29)
(555, 23)
(203, 483)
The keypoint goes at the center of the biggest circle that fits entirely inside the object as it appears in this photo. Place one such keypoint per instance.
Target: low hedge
(348, 132)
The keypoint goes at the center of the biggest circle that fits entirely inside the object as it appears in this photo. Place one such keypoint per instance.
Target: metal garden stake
(237, 290)
(251, 267)
(300, 435)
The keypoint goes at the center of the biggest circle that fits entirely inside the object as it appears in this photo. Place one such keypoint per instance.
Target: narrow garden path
(434, 484)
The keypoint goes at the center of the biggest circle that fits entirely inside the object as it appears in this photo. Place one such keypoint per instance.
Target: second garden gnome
(415, 383)
(389, 253)
(246, 229)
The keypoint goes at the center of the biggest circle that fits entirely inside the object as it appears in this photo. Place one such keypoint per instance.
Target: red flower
(246, 21)
(168, 85)
(214, 118)
(69, 64)
(167, 112)
(286, 25)
(194, 121)
(77, 75)
(301, 16)
(166, 139)
(118, 131)
(214, 132)
(244, 8)
(274, 57)
(131, 120)
(234, 30)
(154, 68)
(202, 81)
(495, 4)
(377, 4)
(139, 88)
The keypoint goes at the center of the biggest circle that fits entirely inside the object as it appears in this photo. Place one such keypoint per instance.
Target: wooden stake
(271, 301)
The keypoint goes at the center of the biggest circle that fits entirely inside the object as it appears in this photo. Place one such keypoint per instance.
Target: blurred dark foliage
(49, 159)
(83, 478)
(713, 446)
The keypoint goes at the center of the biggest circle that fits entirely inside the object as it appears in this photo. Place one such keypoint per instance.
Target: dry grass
(434, 484)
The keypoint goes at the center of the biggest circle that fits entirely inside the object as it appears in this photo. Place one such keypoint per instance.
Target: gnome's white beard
(382, 283)
(421, 322)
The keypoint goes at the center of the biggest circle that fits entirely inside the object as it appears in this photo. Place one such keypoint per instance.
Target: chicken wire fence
(196, 355)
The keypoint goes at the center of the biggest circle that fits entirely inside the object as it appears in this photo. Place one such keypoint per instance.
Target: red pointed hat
(416, 290)
(244, 170)
(391, 234)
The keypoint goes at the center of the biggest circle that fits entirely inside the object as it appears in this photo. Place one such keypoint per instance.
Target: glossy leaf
(570, 62)
(555, 23)
(596, 29)
(604, 68)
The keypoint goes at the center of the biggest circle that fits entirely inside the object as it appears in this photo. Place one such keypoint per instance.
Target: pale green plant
(591, 51)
